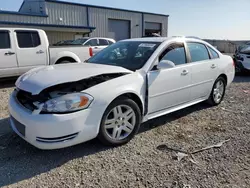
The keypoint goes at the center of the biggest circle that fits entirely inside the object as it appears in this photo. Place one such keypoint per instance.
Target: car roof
(96, 38)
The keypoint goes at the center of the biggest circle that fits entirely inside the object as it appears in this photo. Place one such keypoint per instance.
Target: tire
(213, 100)
(64, 62)
(109, 136)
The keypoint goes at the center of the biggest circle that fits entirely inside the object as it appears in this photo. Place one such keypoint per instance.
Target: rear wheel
(64, 62)
(120, 122)
(218, 92)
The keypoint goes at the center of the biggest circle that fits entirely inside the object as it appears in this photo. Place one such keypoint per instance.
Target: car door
(8, 63)
(170, 87)
(94, 44)
(204, 70)
(30, 50)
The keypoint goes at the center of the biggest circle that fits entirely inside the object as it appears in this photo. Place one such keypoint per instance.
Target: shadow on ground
(7, 82)
(20, 161)
(242, 78)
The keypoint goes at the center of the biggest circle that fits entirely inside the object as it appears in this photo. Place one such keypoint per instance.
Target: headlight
(68, 103)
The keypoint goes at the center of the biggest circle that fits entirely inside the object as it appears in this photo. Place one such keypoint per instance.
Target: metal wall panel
(70, 14)
(158, 19)
(22, 19)
(99, 19)
(55, 37)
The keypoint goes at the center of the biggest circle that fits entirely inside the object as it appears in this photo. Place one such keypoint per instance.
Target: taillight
(90, 52)
(234, 62)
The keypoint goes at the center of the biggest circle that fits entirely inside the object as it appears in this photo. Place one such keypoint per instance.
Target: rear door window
(92, 42)
(110, 42)
(103, 42)
(28, 39)
(198, 52)
(4, 40)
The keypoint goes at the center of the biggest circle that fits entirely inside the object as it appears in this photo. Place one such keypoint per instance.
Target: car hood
(38, 79)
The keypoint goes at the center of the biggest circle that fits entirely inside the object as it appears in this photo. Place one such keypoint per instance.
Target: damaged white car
(111, 94)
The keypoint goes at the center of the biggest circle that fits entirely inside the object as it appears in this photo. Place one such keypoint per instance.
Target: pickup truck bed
(24, 49)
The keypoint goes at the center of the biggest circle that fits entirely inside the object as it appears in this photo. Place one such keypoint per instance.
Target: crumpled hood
(40, 78)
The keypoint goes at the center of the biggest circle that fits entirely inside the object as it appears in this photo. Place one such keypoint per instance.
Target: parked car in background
(24, 49)
(242, 59)
(117, 89)
(96, 43)
(63, 42)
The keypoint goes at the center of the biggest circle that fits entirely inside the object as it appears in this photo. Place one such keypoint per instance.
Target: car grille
(26, 99)
(19, 126)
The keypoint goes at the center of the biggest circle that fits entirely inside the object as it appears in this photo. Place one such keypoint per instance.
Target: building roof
(46, 25)
(110, 8)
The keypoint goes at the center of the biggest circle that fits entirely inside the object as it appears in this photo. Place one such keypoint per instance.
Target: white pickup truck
(24, 49)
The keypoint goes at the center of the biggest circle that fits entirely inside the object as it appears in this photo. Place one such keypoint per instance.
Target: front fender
(108, 91)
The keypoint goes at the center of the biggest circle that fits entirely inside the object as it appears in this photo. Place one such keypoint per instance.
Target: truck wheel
(64, 62)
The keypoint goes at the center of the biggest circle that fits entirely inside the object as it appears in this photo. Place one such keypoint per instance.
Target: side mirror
(165, 64)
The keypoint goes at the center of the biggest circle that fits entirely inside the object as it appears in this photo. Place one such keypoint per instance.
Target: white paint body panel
(40, 78)
(168, 87)
(25, 59)
(8, 63)
(168, 90)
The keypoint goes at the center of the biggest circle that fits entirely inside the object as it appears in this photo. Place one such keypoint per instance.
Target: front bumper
(242, 66)
(54, 131)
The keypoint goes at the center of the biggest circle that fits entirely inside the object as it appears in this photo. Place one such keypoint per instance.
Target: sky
(210, 19)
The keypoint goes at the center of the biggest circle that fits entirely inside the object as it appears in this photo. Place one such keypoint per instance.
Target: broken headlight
(68, 103)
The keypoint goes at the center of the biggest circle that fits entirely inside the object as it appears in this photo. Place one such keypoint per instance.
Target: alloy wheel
(218, 91)
(120, 122)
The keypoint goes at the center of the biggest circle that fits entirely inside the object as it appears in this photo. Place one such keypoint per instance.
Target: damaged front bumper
(54, 131)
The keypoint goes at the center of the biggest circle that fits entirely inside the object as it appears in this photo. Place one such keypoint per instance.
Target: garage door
(119, 29)
(151, 27)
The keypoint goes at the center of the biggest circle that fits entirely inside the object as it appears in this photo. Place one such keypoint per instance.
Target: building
(68, 21)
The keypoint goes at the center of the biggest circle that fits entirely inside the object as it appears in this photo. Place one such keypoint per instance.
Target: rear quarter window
(103, 42)
(214, 54)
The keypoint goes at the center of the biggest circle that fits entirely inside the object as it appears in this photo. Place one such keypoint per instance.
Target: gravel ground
(140, 163)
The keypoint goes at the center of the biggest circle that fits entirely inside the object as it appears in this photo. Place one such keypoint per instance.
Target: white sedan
(116, 90)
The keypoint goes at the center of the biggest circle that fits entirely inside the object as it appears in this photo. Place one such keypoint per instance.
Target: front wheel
(120, 122)
(218, 92)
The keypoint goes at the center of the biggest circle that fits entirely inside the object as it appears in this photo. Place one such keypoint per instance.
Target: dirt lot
(140, 163)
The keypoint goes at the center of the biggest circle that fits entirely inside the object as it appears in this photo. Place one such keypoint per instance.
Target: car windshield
(131, 55)
(245, 49)
(79, 41)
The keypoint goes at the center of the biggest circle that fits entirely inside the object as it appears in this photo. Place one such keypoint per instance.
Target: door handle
(9, 53)
(40, 52)
(213, 66)
(184, 72)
